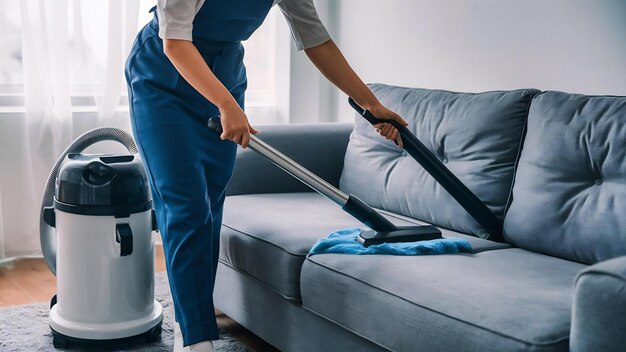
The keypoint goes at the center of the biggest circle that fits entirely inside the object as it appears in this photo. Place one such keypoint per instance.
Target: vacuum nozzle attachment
(400, 234)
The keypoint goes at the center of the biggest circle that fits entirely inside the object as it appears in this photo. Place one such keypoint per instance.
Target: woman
(185, 67)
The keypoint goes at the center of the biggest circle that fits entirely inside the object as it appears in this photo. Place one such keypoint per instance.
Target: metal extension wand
(383, 231)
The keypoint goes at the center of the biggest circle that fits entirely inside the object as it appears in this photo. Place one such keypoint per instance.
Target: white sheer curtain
(73, 82)
(72, 57)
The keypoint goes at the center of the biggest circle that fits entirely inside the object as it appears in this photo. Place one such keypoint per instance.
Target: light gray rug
(25, 328)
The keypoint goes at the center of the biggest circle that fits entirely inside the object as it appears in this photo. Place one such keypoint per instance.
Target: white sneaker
(203, 346)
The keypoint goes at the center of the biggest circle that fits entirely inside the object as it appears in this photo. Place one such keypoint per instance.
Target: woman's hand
(386, 129)
(235, 124)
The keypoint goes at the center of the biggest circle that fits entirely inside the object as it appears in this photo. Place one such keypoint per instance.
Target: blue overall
(188, 165)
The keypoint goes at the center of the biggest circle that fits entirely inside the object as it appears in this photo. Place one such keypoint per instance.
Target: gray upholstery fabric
(501, 300)
(569, 198)
(477, 136)
(283, 323)
(318, 147)
(268, 236)
(599, 312)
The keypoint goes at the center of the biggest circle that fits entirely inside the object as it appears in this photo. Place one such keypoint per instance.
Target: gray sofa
(550, 165)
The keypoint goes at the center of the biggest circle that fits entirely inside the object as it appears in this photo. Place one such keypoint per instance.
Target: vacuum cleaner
(382, 230)
(96, 236)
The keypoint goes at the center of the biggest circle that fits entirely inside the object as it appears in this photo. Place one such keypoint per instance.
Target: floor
(26, 281)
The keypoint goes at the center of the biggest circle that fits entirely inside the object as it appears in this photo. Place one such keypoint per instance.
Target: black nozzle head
(402, 234)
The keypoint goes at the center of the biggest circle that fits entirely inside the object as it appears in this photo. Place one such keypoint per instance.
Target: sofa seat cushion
(569, 197)
(501, 300)
(476, 135)
(268, 236)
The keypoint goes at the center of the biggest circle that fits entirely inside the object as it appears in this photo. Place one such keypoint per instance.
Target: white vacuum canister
(104, 251)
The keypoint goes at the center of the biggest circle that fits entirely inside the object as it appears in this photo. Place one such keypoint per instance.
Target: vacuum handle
(215, 124)
(429, 161)
(373, 119)
(124, 236)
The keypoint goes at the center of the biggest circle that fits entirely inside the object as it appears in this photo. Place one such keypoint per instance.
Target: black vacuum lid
(102, 180)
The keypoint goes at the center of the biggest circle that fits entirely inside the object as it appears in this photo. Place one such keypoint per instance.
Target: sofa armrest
(599, 311)
(318, 147)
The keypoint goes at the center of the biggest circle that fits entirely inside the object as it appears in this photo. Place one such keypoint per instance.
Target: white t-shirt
(176, 20)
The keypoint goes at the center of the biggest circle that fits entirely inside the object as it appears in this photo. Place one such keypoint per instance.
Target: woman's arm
(187, 59)
(332, 64)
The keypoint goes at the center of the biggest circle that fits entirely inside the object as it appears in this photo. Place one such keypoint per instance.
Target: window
(11, 44)
(88, 55)
(260, 61)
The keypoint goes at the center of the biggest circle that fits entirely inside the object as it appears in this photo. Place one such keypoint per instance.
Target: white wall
(469, 45)
(303, 94)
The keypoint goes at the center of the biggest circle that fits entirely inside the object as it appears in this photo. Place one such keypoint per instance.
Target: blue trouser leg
(189, 168)
(188, 227)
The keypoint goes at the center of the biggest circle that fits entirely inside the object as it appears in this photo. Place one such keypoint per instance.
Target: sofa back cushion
(569, 197)
(477, 136)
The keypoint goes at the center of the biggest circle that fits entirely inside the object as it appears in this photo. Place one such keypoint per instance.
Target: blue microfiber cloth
(344, 241)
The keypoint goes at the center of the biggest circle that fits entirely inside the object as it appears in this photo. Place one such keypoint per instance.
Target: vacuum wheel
(53, 301)
(154, 334)
(58, 341)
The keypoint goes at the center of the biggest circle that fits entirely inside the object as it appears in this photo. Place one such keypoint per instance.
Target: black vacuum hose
(459, 191)
(46, 232)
